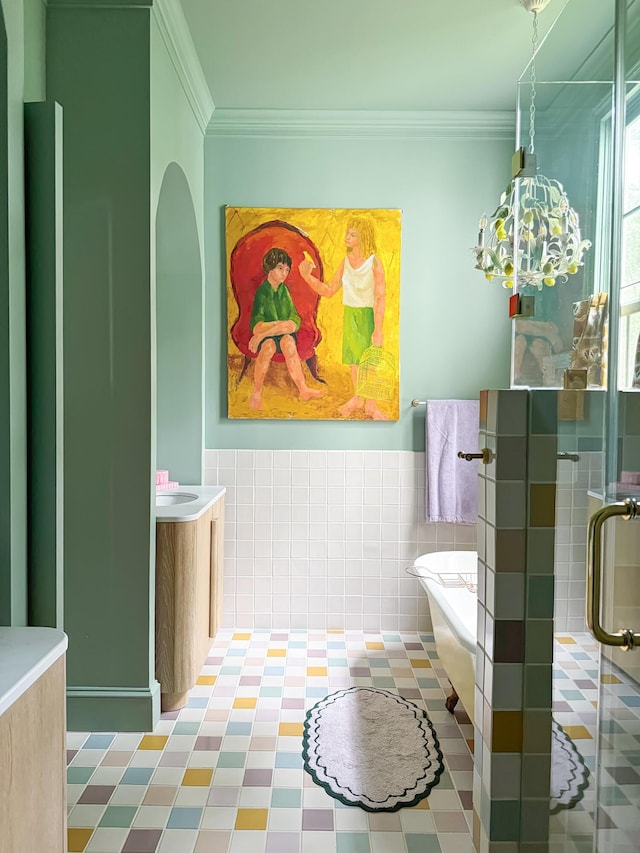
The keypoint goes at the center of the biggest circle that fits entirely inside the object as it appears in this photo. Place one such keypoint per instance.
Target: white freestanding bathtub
(449, 578)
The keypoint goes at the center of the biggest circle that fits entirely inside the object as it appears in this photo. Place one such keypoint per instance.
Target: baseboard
(113, 709)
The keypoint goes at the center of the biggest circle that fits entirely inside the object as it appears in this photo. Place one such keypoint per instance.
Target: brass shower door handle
(626, 638)
(485, 454)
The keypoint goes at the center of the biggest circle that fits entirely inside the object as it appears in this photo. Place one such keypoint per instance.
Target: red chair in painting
(246, 273)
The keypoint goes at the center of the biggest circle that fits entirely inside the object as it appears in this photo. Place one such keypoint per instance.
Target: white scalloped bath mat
(370, 748)
(569, 774)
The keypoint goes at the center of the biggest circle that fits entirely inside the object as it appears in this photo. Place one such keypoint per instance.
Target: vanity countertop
(192, 508)
(25, 654)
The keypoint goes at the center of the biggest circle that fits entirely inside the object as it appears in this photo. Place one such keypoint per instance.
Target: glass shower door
(616, 620)
(613, 606)
(613, 592)
(595, 780)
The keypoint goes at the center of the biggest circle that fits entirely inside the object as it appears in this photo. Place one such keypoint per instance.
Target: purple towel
(451, 487)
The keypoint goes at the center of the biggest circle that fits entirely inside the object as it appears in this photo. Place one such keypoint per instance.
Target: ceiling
(381, 54)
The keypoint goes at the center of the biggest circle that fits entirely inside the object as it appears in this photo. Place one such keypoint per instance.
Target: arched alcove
(179, 331)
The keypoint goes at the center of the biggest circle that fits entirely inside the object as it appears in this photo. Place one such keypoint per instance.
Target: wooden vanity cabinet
(189, 574)
(33, 768)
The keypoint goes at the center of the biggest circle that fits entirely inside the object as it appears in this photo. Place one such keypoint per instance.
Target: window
(629, 344)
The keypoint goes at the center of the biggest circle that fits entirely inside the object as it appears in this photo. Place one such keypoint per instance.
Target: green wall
(35, 18)
(176, 135)
(128, 128)
(177, 188)
(179, 332)
(13, 461)
(454, 329)
(98, 69)
(45, 366)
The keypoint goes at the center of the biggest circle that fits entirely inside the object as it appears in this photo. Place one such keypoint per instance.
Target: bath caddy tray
(447, 579)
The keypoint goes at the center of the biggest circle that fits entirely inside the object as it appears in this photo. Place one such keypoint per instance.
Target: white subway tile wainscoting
(320, 539)
(574, 481)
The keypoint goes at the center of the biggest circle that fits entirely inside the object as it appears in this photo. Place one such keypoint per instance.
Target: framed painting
(313, 313)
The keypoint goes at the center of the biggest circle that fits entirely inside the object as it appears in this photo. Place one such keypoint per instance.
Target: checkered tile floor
(225, 775)
(576, 682)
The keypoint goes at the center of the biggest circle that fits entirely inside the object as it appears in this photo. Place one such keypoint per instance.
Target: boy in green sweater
(274, 323)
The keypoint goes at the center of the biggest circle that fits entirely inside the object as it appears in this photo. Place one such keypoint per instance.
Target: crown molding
(367, 124)
(99, 4)
(177, 39)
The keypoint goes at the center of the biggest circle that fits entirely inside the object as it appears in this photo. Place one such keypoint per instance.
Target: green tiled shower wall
(586, 436)
(515, 621)
(629, 431)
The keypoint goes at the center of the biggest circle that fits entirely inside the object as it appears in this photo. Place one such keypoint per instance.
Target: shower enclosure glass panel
(566, 329)
(581, 340)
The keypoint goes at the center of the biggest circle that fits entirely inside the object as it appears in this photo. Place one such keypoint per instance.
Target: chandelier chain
(533, 238)
(532, 105)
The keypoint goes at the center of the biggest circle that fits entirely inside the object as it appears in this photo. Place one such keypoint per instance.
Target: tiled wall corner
(539, 598)
(321, 539)
(515, 618)
(500, 663)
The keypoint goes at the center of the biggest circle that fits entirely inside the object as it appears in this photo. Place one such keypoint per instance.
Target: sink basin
(175, 498)
(185, 503)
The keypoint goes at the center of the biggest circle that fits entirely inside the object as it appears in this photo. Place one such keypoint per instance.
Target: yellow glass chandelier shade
(534, 235)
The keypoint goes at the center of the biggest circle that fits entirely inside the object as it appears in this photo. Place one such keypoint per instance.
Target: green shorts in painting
(276, 339)
(356, 335)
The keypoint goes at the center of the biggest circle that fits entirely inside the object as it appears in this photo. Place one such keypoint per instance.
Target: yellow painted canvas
(313, 313)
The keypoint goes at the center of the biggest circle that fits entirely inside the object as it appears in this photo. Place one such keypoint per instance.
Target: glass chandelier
(534, 234)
